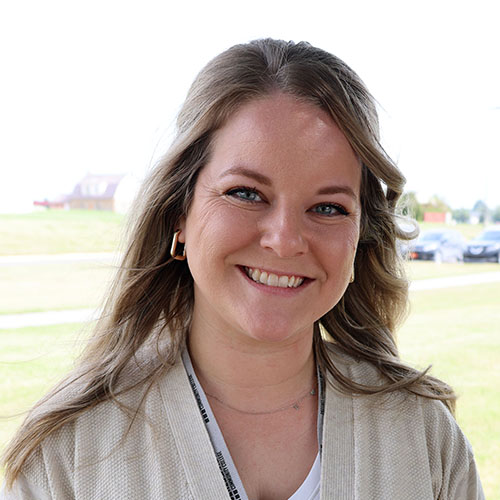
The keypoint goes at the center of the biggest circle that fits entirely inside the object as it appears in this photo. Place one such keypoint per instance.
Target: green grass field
(52, 286)
(31, 361)
(59, 231)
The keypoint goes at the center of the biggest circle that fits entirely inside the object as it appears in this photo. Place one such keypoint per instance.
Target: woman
(247, 348)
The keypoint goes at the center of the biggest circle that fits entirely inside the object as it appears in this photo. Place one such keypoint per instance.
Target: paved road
(8, 260)
(8, 321)
(452, 281)
(83, 315)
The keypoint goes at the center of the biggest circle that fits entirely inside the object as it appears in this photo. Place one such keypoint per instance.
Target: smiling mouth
(271, 279)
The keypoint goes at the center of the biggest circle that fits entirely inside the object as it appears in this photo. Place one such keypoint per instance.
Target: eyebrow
(262, 179)
(338, 189)
(248, 173)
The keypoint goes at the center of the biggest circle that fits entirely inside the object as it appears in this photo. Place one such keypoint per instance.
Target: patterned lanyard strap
(226, 465)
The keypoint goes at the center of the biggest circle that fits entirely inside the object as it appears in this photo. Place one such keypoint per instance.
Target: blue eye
(329, 209)
(244, 194)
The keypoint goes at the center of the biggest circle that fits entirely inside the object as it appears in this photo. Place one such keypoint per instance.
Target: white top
(309, 489)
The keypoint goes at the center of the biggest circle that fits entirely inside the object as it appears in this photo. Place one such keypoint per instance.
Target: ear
(182, 227)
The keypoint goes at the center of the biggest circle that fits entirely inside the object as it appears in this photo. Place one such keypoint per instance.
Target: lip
(276, 290)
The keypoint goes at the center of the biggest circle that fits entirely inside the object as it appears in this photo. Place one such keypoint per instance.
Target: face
(272, 232)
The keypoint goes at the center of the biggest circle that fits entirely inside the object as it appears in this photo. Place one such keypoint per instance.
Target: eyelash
(234, 194)
(338, 208)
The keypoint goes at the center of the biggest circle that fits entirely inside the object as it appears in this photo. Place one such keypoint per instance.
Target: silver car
(439, 245)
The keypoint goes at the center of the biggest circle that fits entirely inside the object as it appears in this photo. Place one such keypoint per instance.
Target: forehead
(282, 134)
(282, 116)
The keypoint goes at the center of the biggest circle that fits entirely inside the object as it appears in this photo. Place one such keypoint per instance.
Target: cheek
(341, 240)
(352, 235)
(216, 230)
(353, 240)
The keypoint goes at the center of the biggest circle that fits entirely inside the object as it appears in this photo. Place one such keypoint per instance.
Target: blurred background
(88, 98)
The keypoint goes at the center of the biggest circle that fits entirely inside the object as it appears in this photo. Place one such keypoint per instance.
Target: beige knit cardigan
(395, 447)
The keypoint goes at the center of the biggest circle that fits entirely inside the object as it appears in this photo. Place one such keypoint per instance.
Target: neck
(253, 375)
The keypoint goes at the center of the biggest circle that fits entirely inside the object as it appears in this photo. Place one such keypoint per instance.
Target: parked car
(439, 245)
(485, 248)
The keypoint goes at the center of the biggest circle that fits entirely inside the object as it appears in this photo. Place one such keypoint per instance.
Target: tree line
(480, 212)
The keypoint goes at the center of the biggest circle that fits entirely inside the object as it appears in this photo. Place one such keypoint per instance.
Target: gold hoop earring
(173, 248)
(351, 279)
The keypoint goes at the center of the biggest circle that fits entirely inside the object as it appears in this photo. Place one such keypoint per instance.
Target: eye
(249, 195)
(329, 209)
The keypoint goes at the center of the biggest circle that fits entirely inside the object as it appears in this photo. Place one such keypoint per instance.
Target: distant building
(443, 217)
(104, 192)
(112, 192)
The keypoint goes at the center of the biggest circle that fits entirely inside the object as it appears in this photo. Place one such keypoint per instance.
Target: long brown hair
(151, 298)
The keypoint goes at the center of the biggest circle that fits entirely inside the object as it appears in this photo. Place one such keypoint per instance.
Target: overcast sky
(93, 86)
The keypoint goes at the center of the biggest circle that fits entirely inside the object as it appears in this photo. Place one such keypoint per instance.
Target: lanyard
(226, 465)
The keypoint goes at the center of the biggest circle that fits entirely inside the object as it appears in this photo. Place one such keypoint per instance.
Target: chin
(274, 332)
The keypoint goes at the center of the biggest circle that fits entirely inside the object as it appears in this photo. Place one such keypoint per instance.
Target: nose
(282, 231)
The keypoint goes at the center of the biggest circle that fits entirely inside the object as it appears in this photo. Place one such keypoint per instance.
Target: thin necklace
(295, 405)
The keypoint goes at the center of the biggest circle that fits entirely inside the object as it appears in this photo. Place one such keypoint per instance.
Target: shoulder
(450, 454)
(411, 432)
(108, 437)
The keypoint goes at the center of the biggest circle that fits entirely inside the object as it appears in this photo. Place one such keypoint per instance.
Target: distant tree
(461, 215)
(481, 210)
(435, 204)
(479, 205)
(495, 215)
(410, 206)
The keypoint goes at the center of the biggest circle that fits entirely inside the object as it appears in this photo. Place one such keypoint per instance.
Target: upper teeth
(271, 279)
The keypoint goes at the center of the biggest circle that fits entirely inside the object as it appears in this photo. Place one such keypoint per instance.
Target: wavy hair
(151, 298)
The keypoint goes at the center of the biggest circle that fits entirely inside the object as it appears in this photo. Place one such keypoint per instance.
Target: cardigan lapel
(191, 437)
(337, 457)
